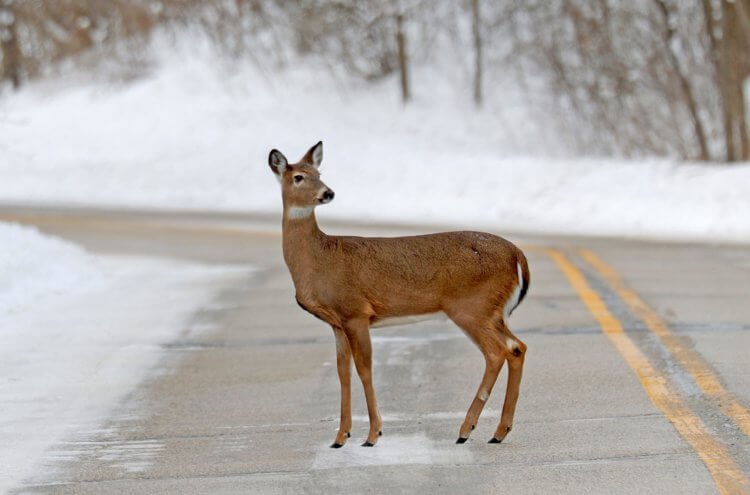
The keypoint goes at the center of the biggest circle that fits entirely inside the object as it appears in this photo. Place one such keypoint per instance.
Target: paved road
(636, 380)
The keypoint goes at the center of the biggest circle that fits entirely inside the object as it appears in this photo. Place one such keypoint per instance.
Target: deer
(357, 283)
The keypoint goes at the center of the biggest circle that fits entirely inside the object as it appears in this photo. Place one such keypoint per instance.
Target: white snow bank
(34, 267)
(193, 135)
(78, 333)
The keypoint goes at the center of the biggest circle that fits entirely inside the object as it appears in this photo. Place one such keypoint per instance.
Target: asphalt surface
(636, 378)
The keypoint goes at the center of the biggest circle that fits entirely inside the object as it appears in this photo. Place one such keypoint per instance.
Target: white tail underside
(512, 301)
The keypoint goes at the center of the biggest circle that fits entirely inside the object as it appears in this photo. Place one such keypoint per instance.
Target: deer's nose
(328, 195)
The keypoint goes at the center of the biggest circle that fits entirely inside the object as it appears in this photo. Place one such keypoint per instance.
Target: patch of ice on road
(392, 450)
(386, 418)
(486, 413)
(133, 456)
(79, 332)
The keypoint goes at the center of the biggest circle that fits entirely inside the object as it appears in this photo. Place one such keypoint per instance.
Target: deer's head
(301, 187)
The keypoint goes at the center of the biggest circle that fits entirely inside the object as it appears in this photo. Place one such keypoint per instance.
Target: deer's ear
(277, 161)
(314, 155)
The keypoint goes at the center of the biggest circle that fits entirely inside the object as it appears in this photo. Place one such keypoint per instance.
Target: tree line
(635, 78)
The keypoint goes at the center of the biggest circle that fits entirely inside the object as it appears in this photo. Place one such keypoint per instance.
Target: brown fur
(353, 282)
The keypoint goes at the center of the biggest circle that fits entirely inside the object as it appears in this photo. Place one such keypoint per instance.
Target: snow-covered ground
(78, 333)
(195, 134)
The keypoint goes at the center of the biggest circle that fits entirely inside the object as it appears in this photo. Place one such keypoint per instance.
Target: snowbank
(195, 135)
(34, 267)
(78, 333)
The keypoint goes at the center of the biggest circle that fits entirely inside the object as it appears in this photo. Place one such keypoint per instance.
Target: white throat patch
(295, 212)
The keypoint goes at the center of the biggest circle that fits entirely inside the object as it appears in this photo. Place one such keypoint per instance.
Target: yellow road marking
(688, 358)
(726, 473)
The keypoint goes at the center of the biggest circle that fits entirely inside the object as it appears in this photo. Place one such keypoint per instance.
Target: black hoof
(336, 445)
(495, 440)
(368, 444)
(461, 440)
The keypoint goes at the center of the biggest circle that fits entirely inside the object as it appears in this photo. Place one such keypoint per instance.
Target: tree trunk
(403, 61)
(9, 45)
(742, 55)
(715, 47)
(733, 68)
(685, 88)
(477, 32)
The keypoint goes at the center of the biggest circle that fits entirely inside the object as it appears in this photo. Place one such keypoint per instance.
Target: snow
(195, 134)
(393, 450)
(79, 332)
(26, 278)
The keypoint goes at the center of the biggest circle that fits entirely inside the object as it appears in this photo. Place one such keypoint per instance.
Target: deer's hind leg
(516, 357)
(486, 337)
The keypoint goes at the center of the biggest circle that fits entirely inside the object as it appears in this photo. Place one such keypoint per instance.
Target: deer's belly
(392, 321)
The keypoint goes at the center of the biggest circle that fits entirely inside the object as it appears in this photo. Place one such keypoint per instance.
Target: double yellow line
(726, 473)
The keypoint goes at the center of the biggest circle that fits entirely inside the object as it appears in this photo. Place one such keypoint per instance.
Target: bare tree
(476, 26)
(9, 45)
(734, 69)
(669, 34)
(658, 77)
(643, 77)
(403, 61)
(727, 30)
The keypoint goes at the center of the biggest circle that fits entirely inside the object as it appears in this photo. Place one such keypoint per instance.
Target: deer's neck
(304, 246)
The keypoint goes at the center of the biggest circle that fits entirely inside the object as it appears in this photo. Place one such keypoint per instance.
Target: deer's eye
(299, 178)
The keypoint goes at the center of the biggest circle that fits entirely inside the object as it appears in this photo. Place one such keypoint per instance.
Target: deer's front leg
(358, 332)
(344, 365)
